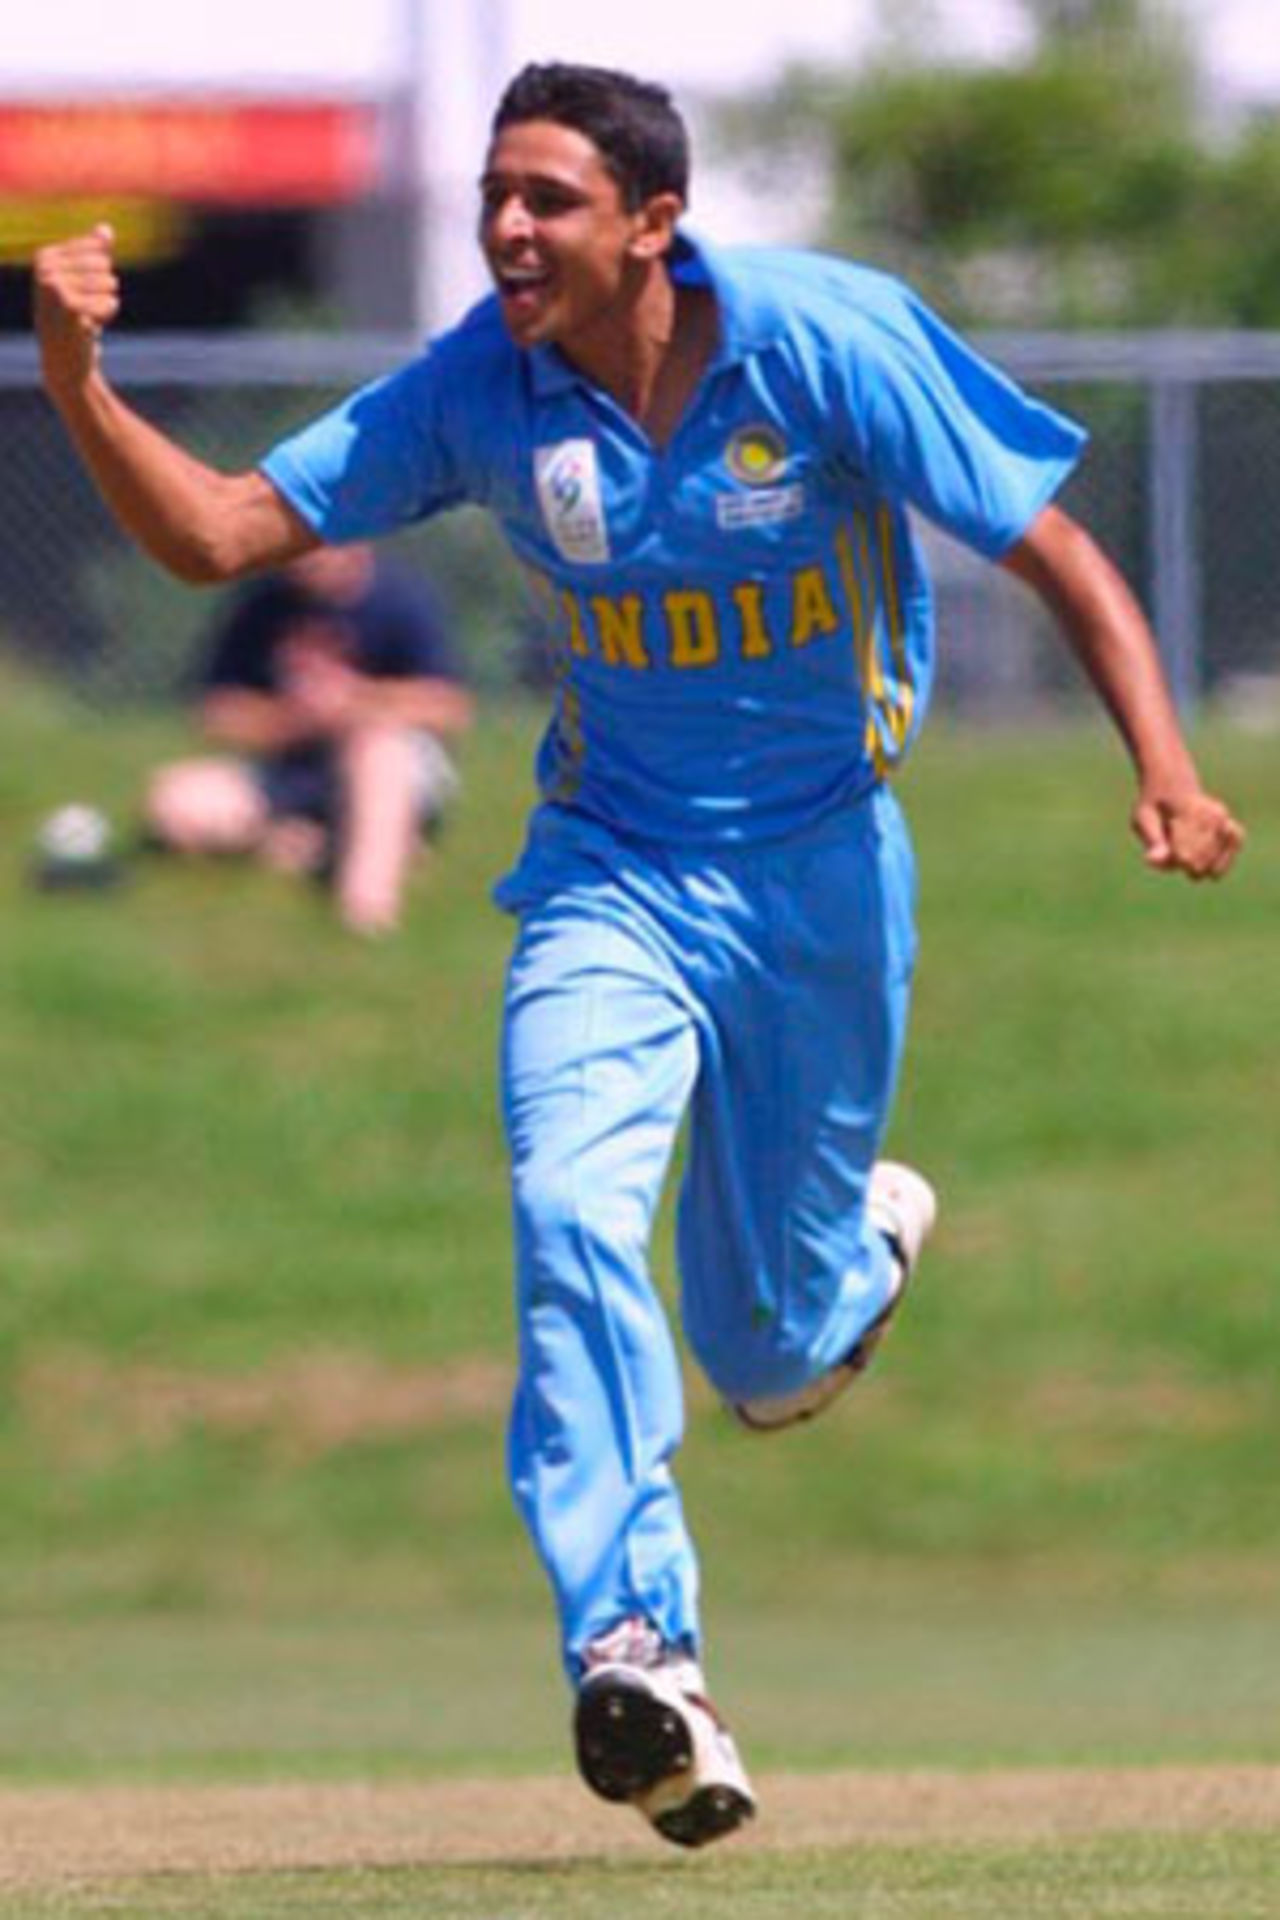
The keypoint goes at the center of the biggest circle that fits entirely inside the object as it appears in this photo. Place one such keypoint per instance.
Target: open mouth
(522, 289)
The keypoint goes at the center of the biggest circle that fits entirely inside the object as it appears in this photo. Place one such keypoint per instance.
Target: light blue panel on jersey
(744, 628)
(771, 988)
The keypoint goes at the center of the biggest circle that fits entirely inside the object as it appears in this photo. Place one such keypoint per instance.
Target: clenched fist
(1189, 832)
(76, 295)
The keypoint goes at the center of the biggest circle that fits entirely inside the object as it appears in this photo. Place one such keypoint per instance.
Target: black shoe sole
(709, 1815)
(626, 1740)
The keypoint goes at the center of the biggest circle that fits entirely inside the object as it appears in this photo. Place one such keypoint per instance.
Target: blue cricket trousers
(763, 990)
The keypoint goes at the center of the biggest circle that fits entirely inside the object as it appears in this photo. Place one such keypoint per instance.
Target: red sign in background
(239, 153)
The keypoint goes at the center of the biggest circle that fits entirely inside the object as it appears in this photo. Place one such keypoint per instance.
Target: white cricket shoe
(646, 1733)
(902, 1204)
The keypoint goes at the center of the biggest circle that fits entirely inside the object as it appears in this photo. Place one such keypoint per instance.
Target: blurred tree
(1083, 183)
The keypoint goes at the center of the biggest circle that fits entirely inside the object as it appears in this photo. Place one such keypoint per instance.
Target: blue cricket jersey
(745, 628)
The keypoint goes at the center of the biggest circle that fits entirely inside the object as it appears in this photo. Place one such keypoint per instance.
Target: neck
(653, 360)
(625, 351)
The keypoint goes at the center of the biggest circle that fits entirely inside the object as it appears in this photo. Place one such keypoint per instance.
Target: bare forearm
(1109, 635)
(160, 495)
(1180, 825)
(201, 524)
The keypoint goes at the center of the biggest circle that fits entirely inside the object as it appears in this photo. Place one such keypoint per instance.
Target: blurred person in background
(709, 457)
(334, 685)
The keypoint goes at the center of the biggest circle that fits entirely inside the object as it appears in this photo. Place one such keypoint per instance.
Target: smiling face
(569, 259)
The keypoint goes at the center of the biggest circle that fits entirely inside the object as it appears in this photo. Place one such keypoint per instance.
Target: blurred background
(1093, 186)
(255, 1342)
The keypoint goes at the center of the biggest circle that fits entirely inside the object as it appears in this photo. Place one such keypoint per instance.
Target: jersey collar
(746, 326)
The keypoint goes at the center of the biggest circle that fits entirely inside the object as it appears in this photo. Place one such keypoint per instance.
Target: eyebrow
(493, 177)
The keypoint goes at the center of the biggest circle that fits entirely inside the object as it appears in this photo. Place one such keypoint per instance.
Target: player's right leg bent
(901, 1208)
(796, 1238)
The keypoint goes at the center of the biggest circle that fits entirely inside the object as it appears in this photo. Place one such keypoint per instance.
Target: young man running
(705, 460)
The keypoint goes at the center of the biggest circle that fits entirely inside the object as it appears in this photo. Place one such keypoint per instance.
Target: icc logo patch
(567, 476)
(757, 456)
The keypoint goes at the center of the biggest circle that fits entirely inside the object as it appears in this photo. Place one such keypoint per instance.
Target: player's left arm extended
(1182, 827)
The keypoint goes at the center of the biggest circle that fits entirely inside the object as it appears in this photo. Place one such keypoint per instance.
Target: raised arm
(202, 525)
(1181, 827)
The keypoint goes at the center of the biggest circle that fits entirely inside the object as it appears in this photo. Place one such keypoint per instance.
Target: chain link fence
(1181, 484)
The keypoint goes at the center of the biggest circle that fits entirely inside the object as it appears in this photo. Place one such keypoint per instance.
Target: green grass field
(1106, 1879)
(255, 1332)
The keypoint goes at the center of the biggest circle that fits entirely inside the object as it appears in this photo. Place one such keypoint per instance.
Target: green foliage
(1220, 265)
(1081, 184)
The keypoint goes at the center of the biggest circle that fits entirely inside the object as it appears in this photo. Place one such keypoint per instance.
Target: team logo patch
(568, 482)
(757, 456)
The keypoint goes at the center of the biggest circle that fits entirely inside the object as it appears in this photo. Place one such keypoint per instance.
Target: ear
(655, 226)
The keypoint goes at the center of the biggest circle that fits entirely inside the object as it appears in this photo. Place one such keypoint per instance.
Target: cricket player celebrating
(705, 461)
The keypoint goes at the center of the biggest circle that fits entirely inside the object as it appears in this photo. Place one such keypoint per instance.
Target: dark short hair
(634, 124)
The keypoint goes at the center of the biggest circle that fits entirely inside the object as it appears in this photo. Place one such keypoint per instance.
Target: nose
(507, 220)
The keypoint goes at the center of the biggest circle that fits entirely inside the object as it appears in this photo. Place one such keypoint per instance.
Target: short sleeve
(942, 429)
(377, 461)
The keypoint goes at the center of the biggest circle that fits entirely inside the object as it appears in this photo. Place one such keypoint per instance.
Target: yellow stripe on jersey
(862, 613)
(570, 744)
(875, 609)
(901, 706)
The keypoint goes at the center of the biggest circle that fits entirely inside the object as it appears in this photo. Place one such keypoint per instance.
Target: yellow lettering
(812, 610)
(620, 624)
(749, 600)
(578, 642)
(695, 638)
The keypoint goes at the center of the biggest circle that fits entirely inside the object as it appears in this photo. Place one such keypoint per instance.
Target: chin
(526, 330)
(521, 333)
